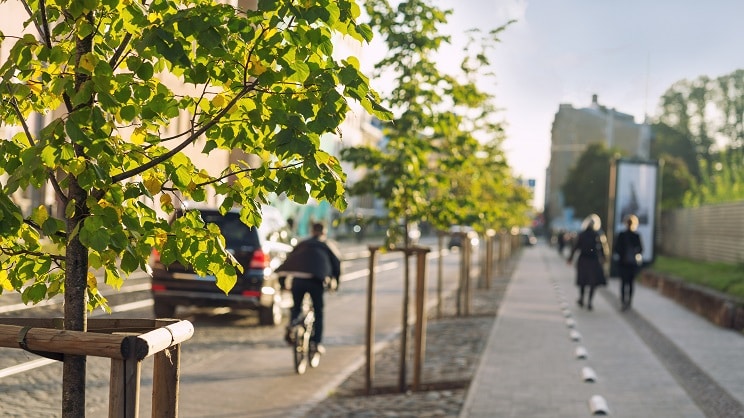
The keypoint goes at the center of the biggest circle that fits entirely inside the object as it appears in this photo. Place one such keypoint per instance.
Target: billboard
(634, 190)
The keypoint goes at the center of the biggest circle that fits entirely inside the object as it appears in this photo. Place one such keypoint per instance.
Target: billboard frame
(635, 187)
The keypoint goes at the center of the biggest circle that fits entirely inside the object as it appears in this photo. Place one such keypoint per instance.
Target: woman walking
(591, 244)
(627, 250)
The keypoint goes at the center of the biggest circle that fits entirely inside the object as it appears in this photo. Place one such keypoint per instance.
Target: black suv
(258, 250)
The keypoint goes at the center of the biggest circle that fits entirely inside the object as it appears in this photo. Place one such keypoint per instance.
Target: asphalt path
(232, 367)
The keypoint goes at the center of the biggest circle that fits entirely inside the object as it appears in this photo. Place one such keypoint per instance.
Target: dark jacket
(592, 248)
(627, 241)
(313, 256)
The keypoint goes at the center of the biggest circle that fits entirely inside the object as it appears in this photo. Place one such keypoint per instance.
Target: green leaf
(97, 240)
(74, 132)
(130, 262)
(326, 47)
(128, 112)
(301, 71)
(113, 278)
(267, 5)
(133, 62)
(226, 278)
(10, 215)
(34, 293)
(182, 177)
(85, 29)
(209, 38)
(84, 95)
(52, 226)
(145, 71)
(39, 215)
(366, 32)
(49, 156)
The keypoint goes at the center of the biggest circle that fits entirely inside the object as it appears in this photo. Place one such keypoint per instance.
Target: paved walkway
(546, 357)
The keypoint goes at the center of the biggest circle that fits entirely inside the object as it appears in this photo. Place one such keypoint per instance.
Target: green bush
(723, 277)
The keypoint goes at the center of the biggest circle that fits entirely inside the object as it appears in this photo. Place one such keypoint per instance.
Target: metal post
(370, 369)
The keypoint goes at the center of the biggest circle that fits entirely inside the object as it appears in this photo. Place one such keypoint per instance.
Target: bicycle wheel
(301, 347)
(312, 354)
(314, 358)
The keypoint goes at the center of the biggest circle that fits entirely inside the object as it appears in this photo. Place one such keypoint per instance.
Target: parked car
(527, 237)
(398, 233)
(258, 250)
(457, 232)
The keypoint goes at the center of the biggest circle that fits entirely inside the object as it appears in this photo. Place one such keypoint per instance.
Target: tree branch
(193, 137)
(35, 226)
(55, 258)
(232, 173)
(114, 61)
(45, 24)
(44, 34)
(27, 132)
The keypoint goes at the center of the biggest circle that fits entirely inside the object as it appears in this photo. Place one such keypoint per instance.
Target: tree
(671, 142)
(111, 79)
(709, 115)
(588, 182)
(431, 145)
(397, 173)
(676, 182)
(683, 109)
(724, 184)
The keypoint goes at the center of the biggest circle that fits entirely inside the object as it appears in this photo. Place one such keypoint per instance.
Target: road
(231, 367)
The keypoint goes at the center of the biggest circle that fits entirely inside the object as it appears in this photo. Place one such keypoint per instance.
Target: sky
(627, 52)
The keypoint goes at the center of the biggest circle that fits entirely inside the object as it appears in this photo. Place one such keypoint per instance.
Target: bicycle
(300, 332)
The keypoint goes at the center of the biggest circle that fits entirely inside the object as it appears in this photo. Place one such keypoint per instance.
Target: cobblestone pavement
(453, 348)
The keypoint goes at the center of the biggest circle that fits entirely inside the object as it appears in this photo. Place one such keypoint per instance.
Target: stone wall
(719, 308)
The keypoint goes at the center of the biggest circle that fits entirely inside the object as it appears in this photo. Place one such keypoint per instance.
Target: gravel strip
(453, 348)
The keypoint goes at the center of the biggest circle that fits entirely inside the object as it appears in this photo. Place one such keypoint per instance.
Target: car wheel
(164, 310)
(270, 315)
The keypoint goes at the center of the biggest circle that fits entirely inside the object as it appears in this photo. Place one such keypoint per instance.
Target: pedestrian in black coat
(591, 244)
(627, 251)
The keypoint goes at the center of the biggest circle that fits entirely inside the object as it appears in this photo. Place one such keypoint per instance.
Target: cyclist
(311, 263)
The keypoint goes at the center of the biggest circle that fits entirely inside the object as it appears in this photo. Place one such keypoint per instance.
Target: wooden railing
(127, 342)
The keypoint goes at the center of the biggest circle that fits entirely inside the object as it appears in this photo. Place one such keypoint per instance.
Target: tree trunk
(76, 267)
(75, 310)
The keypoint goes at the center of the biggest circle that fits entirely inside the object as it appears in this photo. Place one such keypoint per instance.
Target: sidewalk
(546, 357)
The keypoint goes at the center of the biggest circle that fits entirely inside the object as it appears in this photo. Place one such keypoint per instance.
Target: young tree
(475, 184)
(111, 79)
(397, 173)
(588, 183)
(431, 145)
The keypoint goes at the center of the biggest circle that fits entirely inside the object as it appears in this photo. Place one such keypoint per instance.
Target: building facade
(573, 130)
